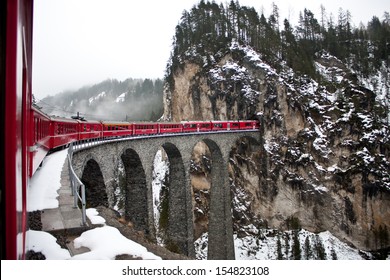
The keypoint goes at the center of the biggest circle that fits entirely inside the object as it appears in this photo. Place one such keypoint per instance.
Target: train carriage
(170, 128)
(190, 126)
(197, 126)
(145, 128)
(225, 125)
(90, 130)
(41, 138)
(63, 131)
(250, 124)
(117, 129)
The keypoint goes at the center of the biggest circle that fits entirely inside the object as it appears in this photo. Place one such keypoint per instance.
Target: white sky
(81, 42)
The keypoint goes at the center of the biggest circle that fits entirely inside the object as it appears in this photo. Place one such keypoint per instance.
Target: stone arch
(175, 214)
(92, 178)
(136, 204)
(220, 235)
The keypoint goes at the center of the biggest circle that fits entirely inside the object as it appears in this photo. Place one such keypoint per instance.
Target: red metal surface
(17, 120)
(170, 128)
(63, 131)
(90, 129)
(249, 124)
(117, 129)
(190, 126)
(145, 128)
(41, 140)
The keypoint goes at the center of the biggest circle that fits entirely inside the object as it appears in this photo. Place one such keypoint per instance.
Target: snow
(253, 57)
(201, 247)
(121, 98)
(104, 242)
(40, 241)
(160, 170)
(366, 156)
(42, 192)
(97, 97)
(264, 246)
(93, 216)
(107, 242)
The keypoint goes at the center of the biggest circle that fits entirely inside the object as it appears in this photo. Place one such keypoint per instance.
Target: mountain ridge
(325, 160)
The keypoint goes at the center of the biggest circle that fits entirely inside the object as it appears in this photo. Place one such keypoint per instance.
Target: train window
(218, 125)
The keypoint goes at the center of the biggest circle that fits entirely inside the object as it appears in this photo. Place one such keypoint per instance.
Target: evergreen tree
(279, 248)
(308, 253)
(209, 28)
(296, 246)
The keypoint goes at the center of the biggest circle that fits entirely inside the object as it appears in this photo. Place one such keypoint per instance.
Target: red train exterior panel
(145, 128)
(116, 129)
(17, 104)
(170, 128)
(90, 130)
(41, 141)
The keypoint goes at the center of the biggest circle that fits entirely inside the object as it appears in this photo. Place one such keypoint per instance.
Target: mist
(129, 100)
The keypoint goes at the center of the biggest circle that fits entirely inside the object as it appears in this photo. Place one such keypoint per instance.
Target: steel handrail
(76, 184)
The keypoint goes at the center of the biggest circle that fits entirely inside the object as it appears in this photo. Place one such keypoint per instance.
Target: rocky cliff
(324, 162)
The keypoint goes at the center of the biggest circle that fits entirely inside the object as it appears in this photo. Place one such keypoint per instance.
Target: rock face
(325, 157)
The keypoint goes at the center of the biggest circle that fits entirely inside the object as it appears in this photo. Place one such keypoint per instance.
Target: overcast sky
(83, 42)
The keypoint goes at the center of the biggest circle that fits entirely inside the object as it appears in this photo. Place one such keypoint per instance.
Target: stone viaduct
(99, 165)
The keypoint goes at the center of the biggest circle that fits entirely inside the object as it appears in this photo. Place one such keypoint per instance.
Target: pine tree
(279, 248)
(296, 246)
(308, 253)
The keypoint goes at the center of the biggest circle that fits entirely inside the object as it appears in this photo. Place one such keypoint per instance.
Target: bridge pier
(220, 231)
(138, 155)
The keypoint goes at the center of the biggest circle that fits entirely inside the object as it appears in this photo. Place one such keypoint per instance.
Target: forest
(210, 27)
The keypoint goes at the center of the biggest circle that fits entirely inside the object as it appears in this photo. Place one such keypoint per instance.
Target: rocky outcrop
(325, 157)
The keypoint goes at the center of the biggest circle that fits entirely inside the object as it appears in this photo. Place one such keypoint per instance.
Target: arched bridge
(98, 168)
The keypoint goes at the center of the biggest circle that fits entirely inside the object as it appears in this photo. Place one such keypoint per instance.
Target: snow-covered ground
(266, 244)
(104, 242)
(44, 185)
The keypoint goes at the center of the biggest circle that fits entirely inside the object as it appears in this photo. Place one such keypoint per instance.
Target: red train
(30, 134)
(53, 132)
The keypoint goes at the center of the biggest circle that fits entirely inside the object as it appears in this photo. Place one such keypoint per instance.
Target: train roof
(115, 123)
(63, 119)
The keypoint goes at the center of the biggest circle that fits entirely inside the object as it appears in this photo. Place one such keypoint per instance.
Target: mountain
(322, 95)
(110, 100)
